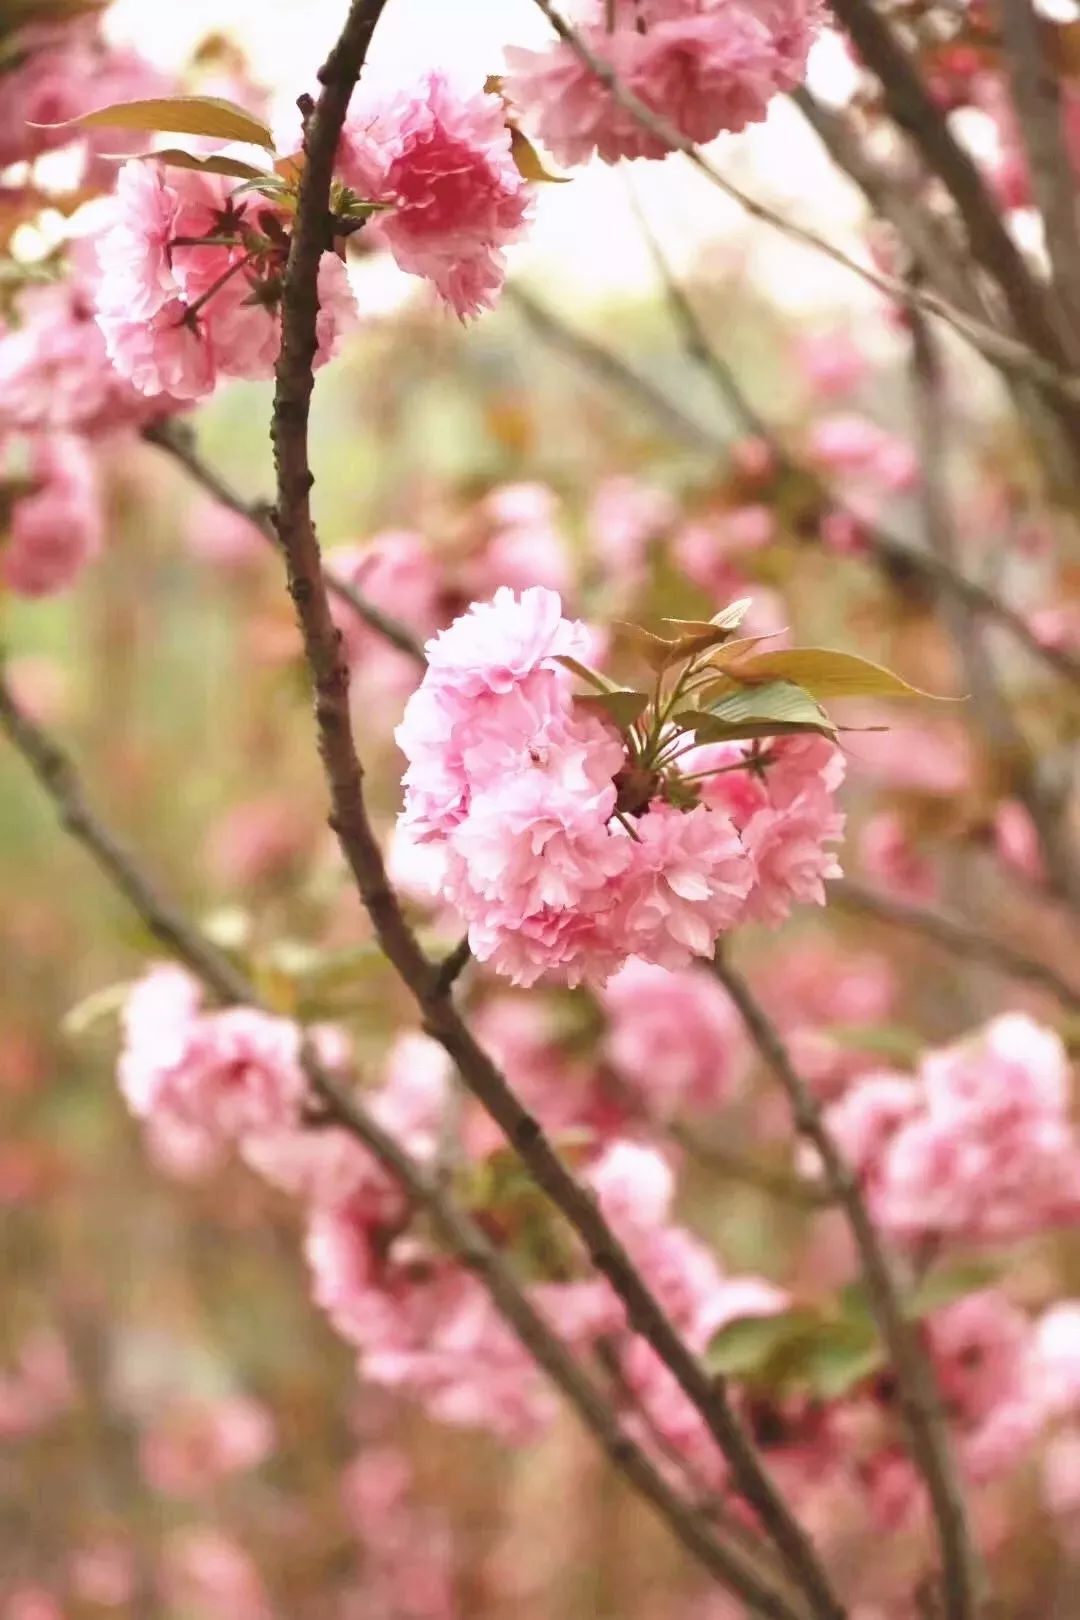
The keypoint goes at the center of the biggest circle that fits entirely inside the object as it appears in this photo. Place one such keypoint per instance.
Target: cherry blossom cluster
(566, 850)
(704, 66)
(979, 1145)
(191, 280)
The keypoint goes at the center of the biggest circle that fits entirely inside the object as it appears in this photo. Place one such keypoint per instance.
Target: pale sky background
(585, 239)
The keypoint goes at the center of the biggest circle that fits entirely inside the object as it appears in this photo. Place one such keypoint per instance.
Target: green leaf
(214, 164)
(825, 673)
(945, 1284)
(177, 115)
(585, 672)
(894, 1042)
(835, 1357)
(624, 707)
(777, 709)
(745, 1346)
(527, 159)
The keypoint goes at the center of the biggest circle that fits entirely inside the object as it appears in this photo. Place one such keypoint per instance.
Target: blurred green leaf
(825, 673)
(174, 158)
(177, 115)
(776, 709)
(624, 707)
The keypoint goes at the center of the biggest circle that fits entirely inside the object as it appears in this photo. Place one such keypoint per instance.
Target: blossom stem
(176, 440)
(215, 286)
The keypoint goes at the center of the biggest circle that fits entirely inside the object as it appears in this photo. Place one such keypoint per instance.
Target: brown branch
(351, 822)
(953, 934)
(787, 1186)
(1044, 801)
(601, 363)
(922, 233)
(166, 923)
(914, 109)
(1037, 98)
(939, 566)
(177, 440)
(183, 939)
(939, 253)
(1008, 353)
(917, 1388)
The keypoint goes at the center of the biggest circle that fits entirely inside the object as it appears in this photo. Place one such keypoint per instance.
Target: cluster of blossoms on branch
(572, 841)
(704, 66)
(807, 1371)
(978, 1146)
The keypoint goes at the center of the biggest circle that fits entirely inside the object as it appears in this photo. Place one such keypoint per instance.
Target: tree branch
(917, 1388)
(914, 109)
(938, 566)
(1053, 374)
(953, 934)
(177, 440)
(184, 940)
(351, 822)
(601, 363)
(1046, 804)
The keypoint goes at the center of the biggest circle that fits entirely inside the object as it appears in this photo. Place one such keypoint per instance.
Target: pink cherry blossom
(204, 1079)
(687, 882)
(204, 1571)
(57, 526)
(674, 1036)
(703, 65)
(788, 847)
(892, 858)
(625, 517)
(442, 163)
(987, 1151)
(191, 1446)
(54, 370)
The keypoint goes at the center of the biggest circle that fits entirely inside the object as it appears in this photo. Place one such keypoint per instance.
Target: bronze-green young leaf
(216, 163)
(623, 707)
(732, 616)
(777, 709)
(178, 115)
(744, 1347)
(528, 161)
(585, 672)
(655, 650)
(824, 673)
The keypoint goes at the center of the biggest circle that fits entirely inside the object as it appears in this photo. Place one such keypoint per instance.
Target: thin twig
(1037, 98)
(917, 1388)
(165, 921)
(913, 108)
(350, 820)
(940, 570)
(1008, 353)
(183, 939)
(940, 254)
(953, 934)
(786, 1186)
(1044, 801)
(600, 362)
(922, 232)
(177, 440)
